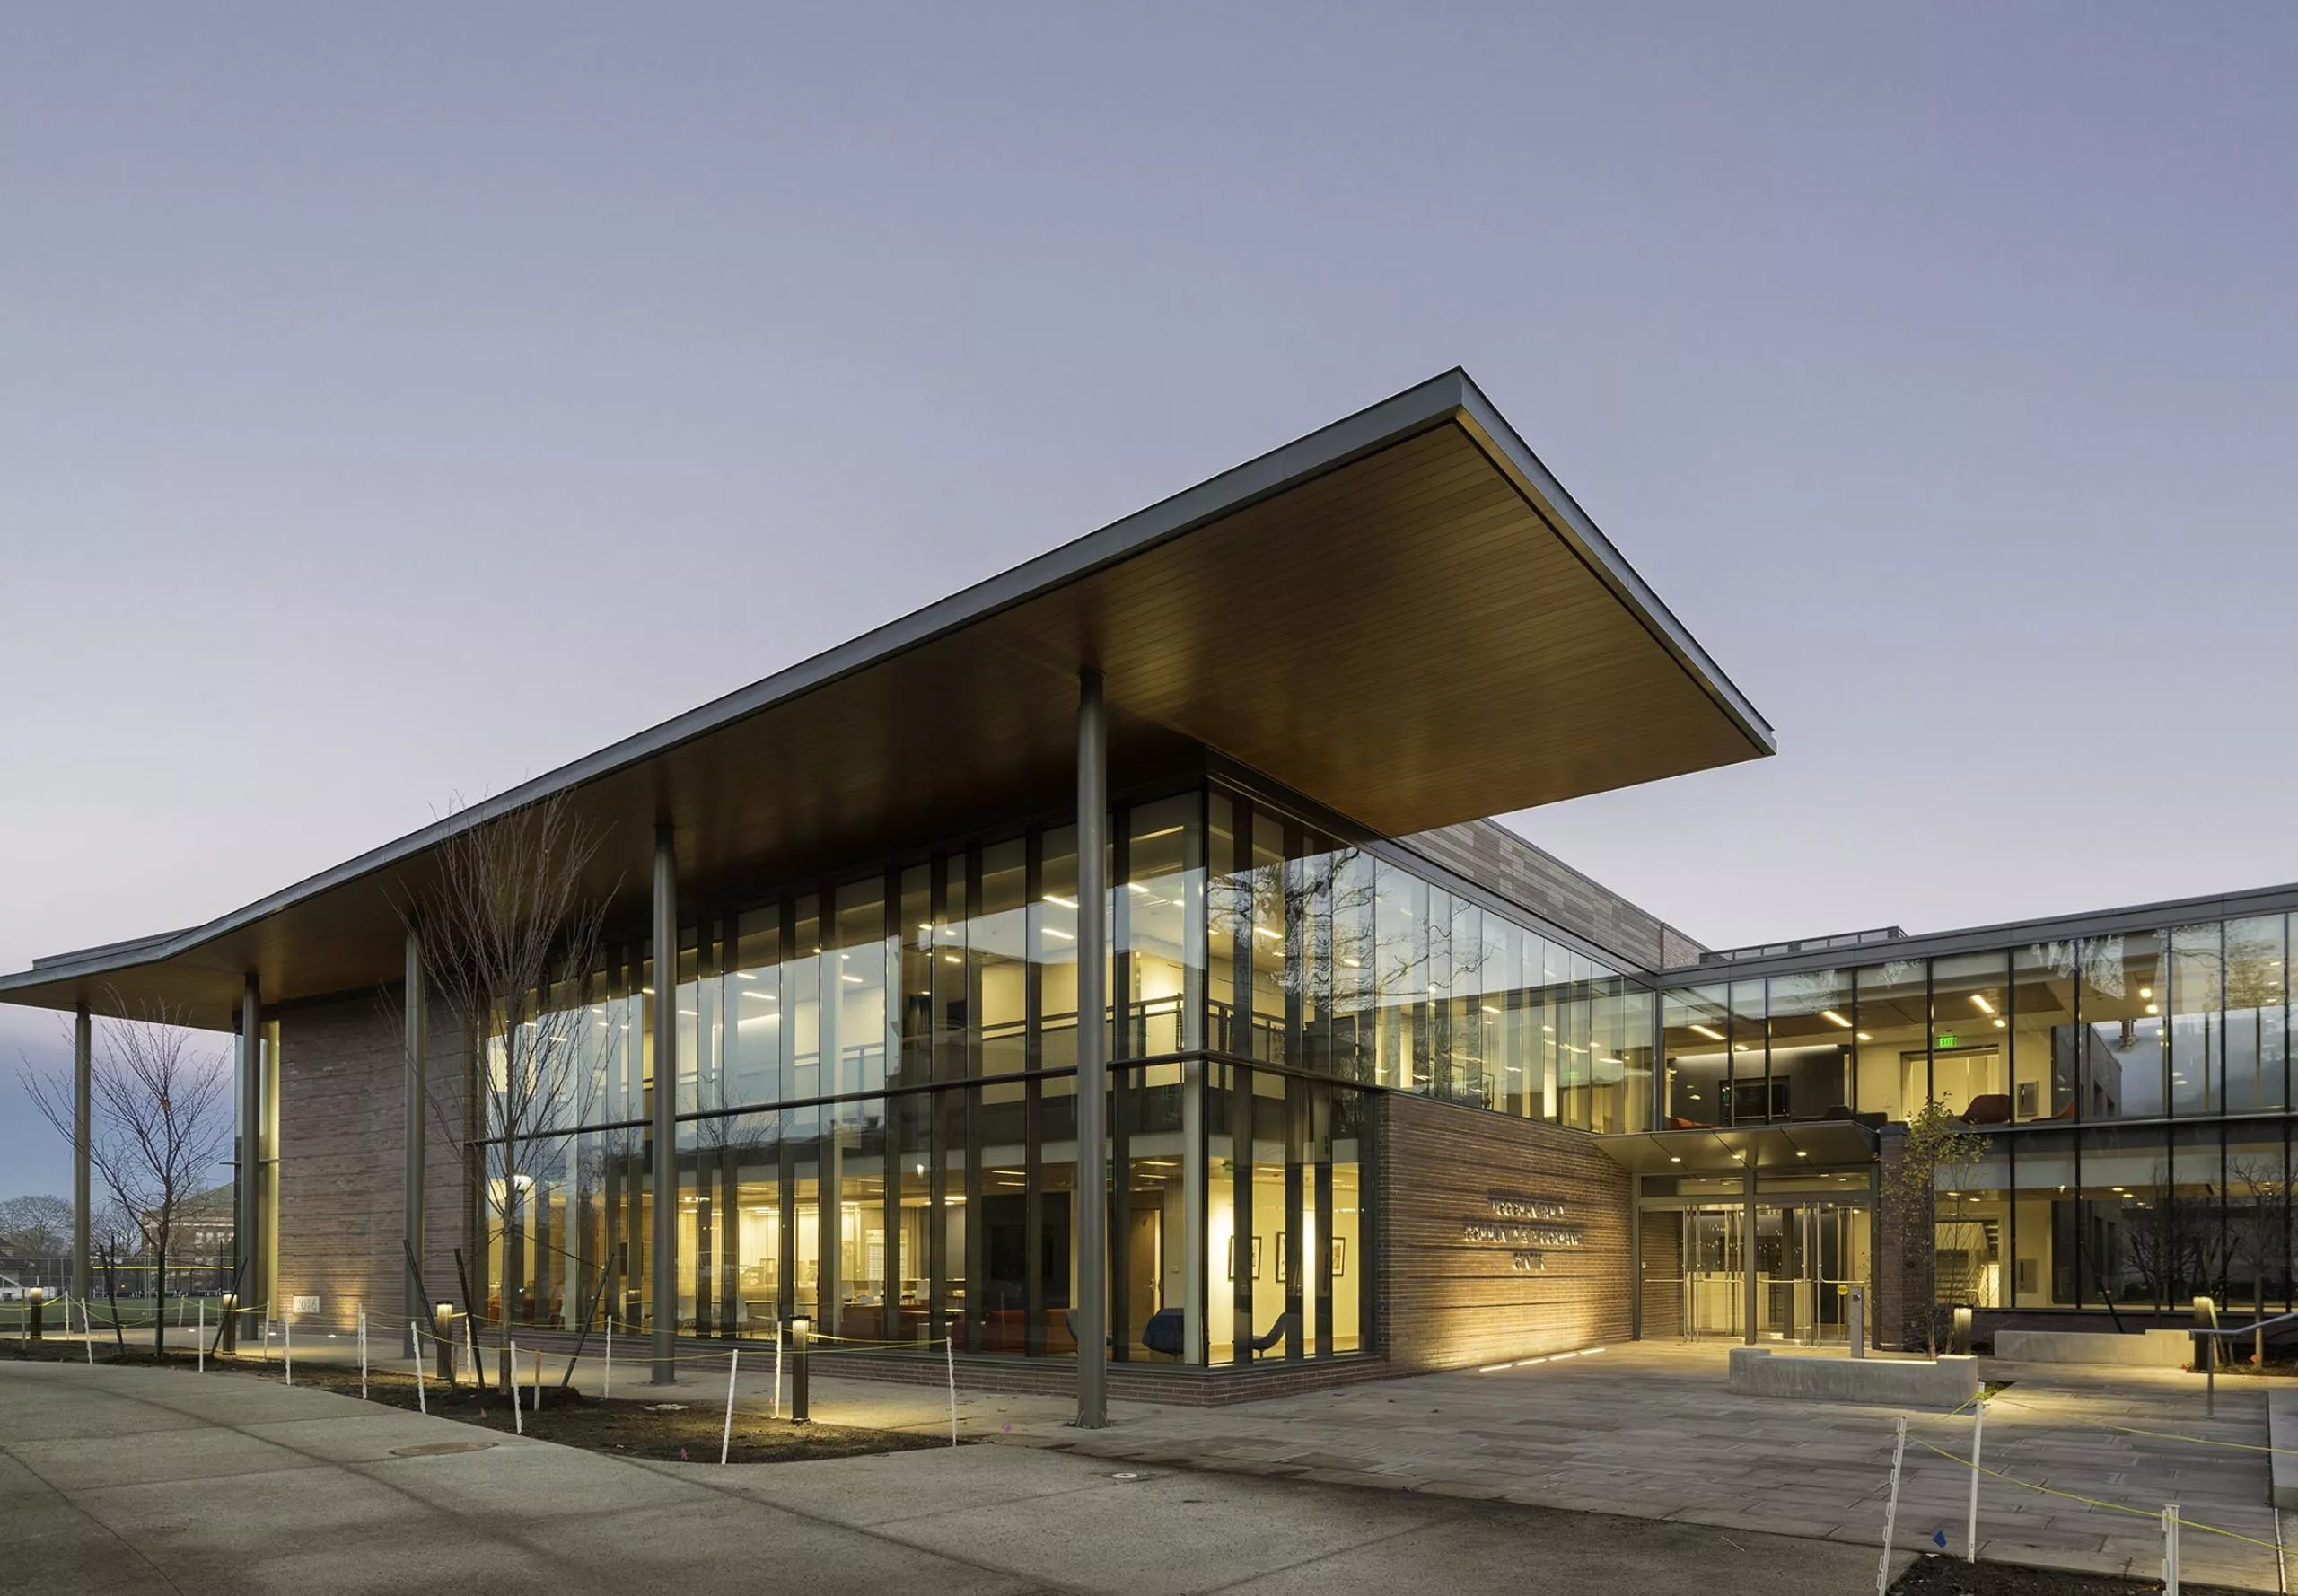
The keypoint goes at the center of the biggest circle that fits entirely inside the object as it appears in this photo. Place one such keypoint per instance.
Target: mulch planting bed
(681, 1428)
(1952, 1576)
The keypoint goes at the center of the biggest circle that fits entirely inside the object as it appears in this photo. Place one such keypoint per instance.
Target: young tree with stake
(510, 936)
(161, 1123)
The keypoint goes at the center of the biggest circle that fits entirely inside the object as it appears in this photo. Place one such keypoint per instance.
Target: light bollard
(442, 1331)
(228, 1344)
(801, 1336)
(34, 1301)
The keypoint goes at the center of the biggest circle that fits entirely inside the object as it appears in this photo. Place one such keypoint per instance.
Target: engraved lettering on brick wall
(1526, 1226)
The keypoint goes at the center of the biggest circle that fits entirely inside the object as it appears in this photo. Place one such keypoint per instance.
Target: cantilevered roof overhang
(1793, 1147)
(1403, 616)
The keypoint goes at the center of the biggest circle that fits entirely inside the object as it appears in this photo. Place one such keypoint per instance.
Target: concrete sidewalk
(134, 1480)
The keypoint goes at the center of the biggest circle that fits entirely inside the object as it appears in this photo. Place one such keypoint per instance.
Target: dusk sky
(404, 401)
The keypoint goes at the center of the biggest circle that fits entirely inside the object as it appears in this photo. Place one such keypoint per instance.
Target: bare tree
(35, 1226)
(161, 1122)
(512, 939)
(2258, 1223)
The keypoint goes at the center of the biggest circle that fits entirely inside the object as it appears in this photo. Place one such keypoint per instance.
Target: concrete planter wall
(2156, 1349)
(1881, 1382)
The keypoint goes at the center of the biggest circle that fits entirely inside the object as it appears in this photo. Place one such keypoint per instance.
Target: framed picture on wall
(1340, 1257)
(1280, 1258)
(1236, 1245)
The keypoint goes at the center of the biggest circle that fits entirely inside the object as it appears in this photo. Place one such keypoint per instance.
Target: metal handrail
(2247, 1330)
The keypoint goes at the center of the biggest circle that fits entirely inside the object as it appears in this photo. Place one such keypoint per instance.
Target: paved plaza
(128, 1481)
(1647, 1434)
(1650, 1430)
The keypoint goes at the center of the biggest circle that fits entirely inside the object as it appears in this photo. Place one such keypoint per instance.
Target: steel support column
(415, 1019)
(1748, 1251)
(663, 1281)
(83, 1129)
(1092, 1055)
(248, 1224)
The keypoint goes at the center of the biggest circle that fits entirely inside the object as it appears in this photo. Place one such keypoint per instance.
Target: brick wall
(342, 1144)
(1452, 1296)
(1899, 1278)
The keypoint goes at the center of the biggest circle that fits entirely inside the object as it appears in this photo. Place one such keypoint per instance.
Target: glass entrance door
(1713, 1248)
(1806, 1256)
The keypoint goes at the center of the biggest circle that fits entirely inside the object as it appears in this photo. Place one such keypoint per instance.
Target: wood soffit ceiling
(1400, 617)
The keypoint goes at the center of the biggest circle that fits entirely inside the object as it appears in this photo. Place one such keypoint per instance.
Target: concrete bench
(2282, 1435)
(2155, 1349)
(1881, 1382)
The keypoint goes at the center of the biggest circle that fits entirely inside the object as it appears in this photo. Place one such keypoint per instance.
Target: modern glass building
(1115, 875)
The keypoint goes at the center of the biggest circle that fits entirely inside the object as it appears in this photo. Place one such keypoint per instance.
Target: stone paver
(1651, 1430)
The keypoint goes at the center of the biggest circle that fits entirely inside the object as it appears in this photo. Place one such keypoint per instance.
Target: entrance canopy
(1729, 1150)
(1403, 616)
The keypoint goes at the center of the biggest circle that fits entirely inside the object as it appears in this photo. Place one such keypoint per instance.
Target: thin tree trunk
(112, 1295)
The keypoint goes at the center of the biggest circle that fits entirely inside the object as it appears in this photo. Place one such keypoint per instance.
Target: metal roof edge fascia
(1564, 513)
(1439, 399)
(2161, 914)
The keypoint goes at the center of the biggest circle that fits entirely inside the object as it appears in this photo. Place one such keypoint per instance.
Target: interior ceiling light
(1064, 902)
(2153, 1008)
(2146, 992)
(2001, 1024)
(1865, 1037)
(1978, 1002)
(1838, 1018)
(1712, 1035)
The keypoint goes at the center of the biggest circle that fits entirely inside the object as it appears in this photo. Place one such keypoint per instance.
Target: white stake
(517, 1421)
(287, 1340)
(777, 1370)
(726, 1435)
(1891, 1513)
(470, 1354)
(1979, 1432)
(950, 1356)
(422, 1403)
(362, 1352)
(87, 1329)
(606, 1381)
(2171, 1550)
(538, 1385)
(202, 1342)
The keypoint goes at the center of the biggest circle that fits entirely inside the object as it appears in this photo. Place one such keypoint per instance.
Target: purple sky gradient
(376, 384)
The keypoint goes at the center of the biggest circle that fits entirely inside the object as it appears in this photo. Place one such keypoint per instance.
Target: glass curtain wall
(2134, 1085)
